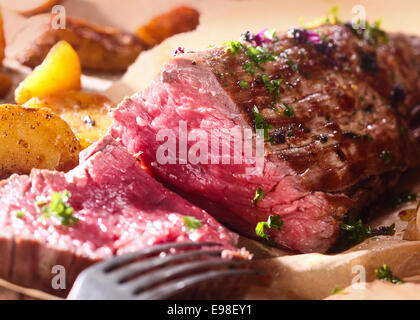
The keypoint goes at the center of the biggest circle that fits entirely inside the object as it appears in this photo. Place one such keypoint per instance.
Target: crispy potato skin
(99, 49)
(60, 71)
(181, 19)
(35, 138)
(86, 113)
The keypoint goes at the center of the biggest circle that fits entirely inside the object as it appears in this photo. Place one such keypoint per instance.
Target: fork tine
(169, 289)
(139, 267)
(155, 277)
(108, 265)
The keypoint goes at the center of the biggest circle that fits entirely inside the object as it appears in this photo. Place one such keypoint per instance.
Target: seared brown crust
(354, 105)
(99, 49)
(39, 262)
(181, 19)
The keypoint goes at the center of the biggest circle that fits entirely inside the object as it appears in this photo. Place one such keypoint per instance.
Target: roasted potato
(60, 71)
(29, 7)
(181, 19)
(99, 49)
(2, 39)
(86, 113)
(35, 138)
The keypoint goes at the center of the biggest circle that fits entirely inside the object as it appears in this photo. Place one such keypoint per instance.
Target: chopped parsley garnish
(59, 209)
(272, 86)
(259, 55)
(374, 34)
(259, 195)
(273, 222)
(20, 214)
(270, 34)
(356, 232)
(332, 16)
(260, 123)
(288, 111)
(386, 155)
(292, 65)
(192, 223)
(406, 196)
(371, 33)
(337, 290)
(243, 84)
(233, 47)
(249, 67)
(384, 273)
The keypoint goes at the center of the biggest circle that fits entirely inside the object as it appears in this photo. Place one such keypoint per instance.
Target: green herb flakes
(386, 155)
(273, 222)
(288, 111)
(259, 195)
(384, 273)
(270, 34)
(249, 67)
(337, 290)
(403, 197)
(243, 84)
(272, 86)
(233, 47)
(355, 232)
(259, 55)
(192, 223)
(20, 214)
(260, 123)
(59, 209)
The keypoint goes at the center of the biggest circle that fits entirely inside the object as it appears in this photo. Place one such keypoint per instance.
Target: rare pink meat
(121, 209)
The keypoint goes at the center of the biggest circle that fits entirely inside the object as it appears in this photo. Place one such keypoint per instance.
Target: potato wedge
(35, 138)
(2, 39)
(99, 49)
(29, 7)
(60, 71)
(86, 113)
(181, 19)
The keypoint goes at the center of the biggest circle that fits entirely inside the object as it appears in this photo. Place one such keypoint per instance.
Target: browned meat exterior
(354, 104)
(340, 107)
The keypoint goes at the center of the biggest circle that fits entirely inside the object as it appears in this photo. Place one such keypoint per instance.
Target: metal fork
(125, 277)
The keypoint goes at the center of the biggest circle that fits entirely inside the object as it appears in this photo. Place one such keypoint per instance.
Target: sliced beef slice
(343, 128)
(121, 209)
